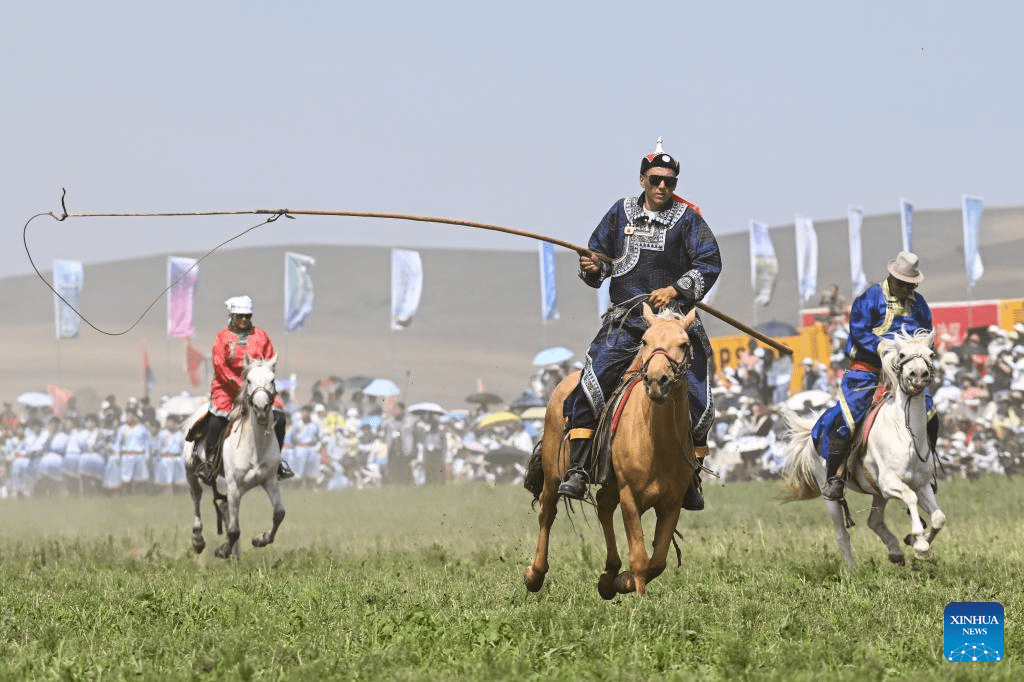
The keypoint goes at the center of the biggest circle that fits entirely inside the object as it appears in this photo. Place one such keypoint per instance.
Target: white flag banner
(182, 278)
(406, 286)
(548, 290)
(298, 290)
(764, 265)
(858, 280)
(68, 277)
(973, 267)
(806, 257)
(907, 224)
(604, 300)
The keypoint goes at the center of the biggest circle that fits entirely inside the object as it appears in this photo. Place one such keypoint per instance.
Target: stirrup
(575, 485)
(284, 472)
(833, 490)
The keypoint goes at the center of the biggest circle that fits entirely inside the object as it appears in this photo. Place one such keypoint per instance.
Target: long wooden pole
(745, 328)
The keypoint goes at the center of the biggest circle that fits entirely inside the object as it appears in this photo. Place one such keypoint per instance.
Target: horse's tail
(534, 479)
(802, 468)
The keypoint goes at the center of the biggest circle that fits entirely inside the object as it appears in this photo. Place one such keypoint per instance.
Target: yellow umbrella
(489, 420)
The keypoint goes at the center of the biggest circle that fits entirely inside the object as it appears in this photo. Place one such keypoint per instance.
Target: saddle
(212, 464)
(859, 443)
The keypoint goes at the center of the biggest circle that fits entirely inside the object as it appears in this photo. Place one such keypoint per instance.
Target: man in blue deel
(663, 253)
(884, 310)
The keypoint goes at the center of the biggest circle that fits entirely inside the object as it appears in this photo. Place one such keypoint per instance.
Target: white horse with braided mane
(251, 456)
(897, 462)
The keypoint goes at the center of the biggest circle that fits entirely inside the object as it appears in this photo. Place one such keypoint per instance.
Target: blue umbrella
(552, 356)
(381, 388)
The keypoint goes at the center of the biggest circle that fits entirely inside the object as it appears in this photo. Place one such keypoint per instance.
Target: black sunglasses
(655, 180)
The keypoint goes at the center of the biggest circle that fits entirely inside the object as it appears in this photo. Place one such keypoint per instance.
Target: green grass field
(426, 584)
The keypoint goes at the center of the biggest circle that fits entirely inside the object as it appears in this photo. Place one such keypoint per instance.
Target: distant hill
(479, 318)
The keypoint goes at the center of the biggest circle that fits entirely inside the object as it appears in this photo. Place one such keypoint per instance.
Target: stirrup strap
(577, 434)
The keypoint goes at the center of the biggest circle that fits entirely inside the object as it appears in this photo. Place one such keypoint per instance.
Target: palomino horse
(897, 462)
(652, 458)
(251, 456)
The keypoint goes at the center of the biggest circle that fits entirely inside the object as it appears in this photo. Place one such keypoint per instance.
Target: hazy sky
(529, 114)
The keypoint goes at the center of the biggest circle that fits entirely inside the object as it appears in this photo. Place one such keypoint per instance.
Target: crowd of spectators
(341, 438)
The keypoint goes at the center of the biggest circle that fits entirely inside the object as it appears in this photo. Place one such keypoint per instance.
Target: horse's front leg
(607, 500)
(876, 522)
(273, 488)
(230, 547)
(890, 485)
(536, 572)
(635, 579)
(196, 490)
(664, 528)
(926, 497)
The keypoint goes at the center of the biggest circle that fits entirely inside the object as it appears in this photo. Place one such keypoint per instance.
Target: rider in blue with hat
(663, 253)
(882, 311)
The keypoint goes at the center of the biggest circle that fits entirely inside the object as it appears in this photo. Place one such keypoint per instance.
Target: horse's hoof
(261, 540)
(624, 583)
(925, 556)
(222, 552)
(898, 559)
(533, 579)
(606, 586)
(908, 540)
(198, 545)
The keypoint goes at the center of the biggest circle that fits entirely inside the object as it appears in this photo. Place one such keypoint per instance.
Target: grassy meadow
(426, 584)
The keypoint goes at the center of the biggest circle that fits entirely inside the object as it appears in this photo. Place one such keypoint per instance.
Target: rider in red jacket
(240, 339)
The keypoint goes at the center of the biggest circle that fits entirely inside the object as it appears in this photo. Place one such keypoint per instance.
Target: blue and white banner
(298, 290)
(858, 280)
(604, 299)
(764, 264)
(406, 286)
(548, 290)
(806, 257)
(973, 268)
(68, 277)
(907, 224)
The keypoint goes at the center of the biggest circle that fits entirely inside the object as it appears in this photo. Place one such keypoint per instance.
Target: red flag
(61, 397)
(193, 360)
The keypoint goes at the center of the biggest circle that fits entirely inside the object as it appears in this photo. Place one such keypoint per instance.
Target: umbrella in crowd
(358, 382)
(484, 398)
(527, 400)
(489, 420)
(776, 329)
(804, 400)
(381, 388)
(432, 408)
(552, 356)
(35, 399)
(506, 455)
(181, 405)
(534, 413)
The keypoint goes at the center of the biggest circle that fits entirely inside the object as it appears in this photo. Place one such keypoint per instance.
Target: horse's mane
(887, 347)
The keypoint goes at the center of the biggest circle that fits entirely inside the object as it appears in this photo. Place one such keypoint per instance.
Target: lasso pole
(745, 328)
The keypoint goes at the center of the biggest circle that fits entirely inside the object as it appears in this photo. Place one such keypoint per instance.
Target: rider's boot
(933, 439)
(576, 477)
(838, 448)
(284, 472)
(693, 498)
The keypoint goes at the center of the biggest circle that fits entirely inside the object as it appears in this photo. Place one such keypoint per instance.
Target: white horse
(896, 463)
(251, 456)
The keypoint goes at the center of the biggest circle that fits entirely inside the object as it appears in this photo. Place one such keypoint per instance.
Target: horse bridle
(899, 364)
(677, 369)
